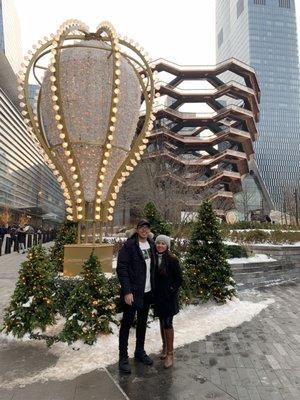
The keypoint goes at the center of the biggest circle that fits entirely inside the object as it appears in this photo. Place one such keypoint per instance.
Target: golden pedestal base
(76, 254)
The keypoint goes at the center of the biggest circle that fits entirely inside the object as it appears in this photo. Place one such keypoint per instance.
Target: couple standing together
(148, 274)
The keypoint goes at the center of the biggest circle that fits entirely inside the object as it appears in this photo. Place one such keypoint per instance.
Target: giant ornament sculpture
(91, 88)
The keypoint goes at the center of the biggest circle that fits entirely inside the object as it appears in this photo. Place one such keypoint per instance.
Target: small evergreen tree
(90, 307)
(158, 225)
(32, 303)
(67, 234)
(210, 273)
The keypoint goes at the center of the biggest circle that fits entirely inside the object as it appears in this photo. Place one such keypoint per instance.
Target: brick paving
(258, 360)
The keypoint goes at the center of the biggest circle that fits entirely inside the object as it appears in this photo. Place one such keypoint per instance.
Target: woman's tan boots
(164, 342)
(170, 340)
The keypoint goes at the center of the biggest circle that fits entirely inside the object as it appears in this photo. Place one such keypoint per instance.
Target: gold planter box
(76, 254)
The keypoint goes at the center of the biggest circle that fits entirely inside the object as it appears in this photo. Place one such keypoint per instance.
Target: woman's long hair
(162, 268)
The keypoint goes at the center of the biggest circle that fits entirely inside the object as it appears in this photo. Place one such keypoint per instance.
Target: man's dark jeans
(127, 321)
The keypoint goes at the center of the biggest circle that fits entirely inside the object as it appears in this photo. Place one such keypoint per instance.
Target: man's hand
(129, 299)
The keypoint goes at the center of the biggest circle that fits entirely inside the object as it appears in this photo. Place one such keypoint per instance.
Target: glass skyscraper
(26, 183)
(10, 49)
(10, 34)
(263, 34)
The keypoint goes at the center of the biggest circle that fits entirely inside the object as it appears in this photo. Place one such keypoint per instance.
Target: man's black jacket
(131, 270)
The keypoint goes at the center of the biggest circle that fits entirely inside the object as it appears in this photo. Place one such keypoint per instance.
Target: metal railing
(10, 244)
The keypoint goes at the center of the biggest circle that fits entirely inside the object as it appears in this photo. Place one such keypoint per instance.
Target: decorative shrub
(209, 271)
(236, 251)
(185, 293)
(114, 291)
(90, 308)
(158, 225)
(32, 304)
(279, 237)
(261, 236)
(64, 285)
(66, 235)
(260, 225)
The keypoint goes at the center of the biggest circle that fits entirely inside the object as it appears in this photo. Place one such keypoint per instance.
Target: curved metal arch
(110, 35)
(138, 141)
(33, 123)
(65, 33)
(139, 65)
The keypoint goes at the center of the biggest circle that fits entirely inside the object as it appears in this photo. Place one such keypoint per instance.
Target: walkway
(258, 360)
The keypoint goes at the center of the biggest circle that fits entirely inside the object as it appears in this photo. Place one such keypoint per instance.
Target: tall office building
(263, 34)
(10, 49)
(26, 183)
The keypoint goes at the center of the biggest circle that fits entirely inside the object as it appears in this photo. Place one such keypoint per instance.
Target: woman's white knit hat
(164, 238)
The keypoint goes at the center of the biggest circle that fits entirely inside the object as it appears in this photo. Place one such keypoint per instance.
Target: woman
(167, 283)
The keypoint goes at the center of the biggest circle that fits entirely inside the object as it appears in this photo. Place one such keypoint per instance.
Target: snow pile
(268, 244)
(263, 230)
(255, 259)
(230, 243)
(279, 245)
(193, 323)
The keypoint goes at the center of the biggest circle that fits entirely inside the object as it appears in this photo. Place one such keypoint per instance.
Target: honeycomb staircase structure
(210, 150)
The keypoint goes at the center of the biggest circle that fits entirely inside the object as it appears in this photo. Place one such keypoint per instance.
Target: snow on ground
(255, 259)
(264, 230)
(230, 242)
(274, 245)
(192, 324)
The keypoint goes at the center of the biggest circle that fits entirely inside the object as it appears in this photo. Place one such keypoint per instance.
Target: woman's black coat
(167, 286)
(131, 270)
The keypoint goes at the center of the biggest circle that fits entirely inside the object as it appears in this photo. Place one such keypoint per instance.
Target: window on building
(220, 38)
(261, 2)
(239, 7)
(285, 3)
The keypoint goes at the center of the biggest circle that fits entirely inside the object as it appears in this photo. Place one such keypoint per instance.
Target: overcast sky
(180, 31)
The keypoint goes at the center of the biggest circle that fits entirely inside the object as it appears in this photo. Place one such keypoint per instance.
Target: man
(135, 269)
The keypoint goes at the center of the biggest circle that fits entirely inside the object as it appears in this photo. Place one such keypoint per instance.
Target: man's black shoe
(124, 365)
(143, 358)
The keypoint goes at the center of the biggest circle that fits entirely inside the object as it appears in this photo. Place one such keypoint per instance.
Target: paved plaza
(258, 360)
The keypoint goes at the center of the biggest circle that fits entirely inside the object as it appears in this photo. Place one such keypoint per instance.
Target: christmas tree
(210, 273)
(90, 308)
(5, 216)
(158, 225)
(66, 235)
(32, 304)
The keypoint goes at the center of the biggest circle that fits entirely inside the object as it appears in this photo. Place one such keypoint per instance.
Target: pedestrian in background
(21, 239)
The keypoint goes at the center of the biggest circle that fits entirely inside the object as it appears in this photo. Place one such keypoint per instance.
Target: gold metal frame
(71, 182)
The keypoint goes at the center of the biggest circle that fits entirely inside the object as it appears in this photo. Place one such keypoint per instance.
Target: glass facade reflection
(10, 34)
(25, 181)
(263, 33)
(1, 28)
(32, 94)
